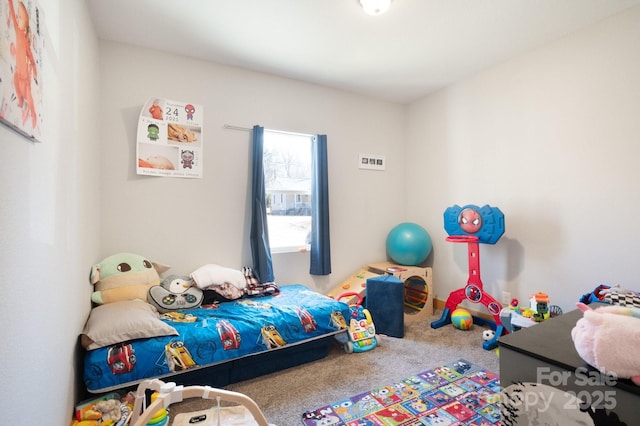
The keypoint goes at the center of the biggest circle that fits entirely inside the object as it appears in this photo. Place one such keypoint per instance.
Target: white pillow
(122, 321)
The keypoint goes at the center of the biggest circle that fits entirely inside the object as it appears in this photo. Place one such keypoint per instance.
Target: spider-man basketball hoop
(474, 225)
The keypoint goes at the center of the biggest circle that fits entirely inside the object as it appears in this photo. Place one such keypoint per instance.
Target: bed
(214, 344)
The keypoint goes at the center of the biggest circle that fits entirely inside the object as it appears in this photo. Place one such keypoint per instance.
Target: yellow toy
(525, 312)
(91, 414)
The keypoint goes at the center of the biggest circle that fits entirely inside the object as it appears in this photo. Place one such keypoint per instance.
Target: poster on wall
(169, 139)
(21, 51)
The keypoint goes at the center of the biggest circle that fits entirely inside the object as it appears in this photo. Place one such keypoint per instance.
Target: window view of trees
(287, 174)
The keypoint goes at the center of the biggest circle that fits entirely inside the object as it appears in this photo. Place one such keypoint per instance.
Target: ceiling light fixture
(375, 7)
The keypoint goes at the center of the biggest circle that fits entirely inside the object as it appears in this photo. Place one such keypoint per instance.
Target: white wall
(552, 138)
(189, 223)
(50, 222)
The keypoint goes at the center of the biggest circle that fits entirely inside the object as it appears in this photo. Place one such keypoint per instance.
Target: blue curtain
(260, 248)
(320, 241)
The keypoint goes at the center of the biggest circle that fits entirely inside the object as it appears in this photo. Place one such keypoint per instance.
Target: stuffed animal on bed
(608, 338)
(124, 276)
(175, 293)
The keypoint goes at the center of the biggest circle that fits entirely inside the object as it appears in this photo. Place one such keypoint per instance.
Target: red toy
(488, 223)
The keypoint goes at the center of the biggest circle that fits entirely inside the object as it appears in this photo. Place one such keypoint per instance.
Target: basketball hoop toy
(474, 225)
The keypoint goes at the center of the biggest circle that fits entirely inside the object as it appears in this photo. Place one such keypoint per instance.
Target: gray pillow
(122, 321)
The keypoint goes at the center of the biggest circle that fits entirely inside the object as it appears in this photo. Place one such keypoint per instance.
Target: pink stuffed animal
(608, 338)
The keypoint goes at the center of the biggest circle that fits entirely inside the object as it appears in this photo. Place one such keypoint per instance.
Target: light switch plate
(372, 162)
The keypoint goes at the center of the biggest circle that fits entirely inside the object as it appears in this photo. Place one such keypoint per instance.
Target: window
(287, 177)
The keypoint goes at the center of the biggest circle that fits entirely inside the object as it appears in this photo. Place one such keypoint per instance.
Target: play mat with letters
(457, 393)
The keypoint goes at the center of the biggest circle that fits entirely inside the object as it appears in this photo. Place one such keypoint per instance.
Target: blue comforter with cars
(213, 334)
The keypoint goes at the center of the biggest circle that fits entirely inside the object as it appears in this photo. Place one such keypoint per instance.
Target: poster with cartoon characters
(169, 139)
(21, 51)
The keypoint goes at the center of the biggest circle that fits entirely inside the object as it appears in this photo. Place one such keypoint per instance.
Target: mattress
(214, 335)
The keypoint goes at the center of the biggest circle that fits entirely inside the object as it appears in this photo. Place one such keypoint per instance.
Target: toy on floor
(526, 312)
(161, 417)
(516, 317)
(418, 287)
(461, 319)
(488, 334)
(474, 225)
(246, 412)
(608, 338)
(361, 331)
(540, 305)
(108, 410)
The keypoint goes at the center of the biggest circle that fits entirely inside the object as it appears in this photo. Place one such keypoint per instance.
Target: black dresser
(544, 360)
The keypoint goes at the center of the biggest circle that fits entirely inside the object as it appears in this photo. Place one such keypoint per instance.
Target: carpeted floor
(284, 396)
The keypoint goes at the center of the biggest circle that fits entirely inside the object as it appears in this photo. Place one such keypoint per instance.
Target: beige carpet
(285, 395)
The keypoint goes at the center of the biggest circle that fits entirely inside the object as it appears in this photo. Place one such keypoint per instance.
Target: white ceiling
(417, 47)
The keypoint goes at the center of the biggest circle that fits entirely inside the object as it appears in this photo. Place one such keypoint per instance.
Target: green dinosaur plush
(124, 276)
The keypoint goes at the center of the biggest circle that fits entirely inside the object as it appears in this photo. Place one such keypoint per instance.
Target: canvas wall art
(21, 51)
